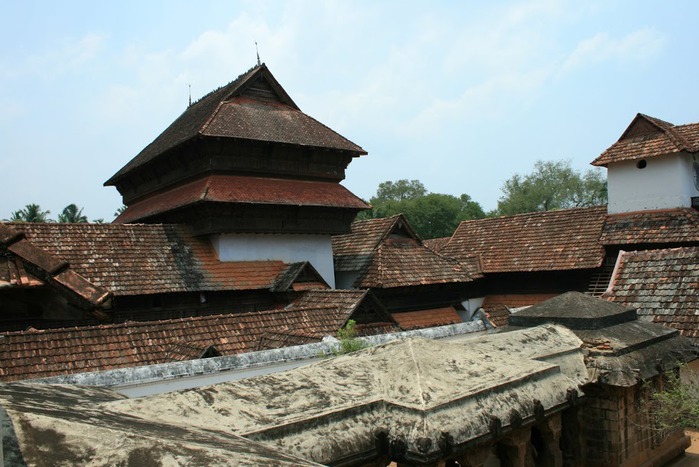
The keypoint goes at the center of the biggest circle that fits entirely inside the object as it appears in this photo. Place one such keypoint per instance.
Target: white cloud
(67, 57)
(639, 45)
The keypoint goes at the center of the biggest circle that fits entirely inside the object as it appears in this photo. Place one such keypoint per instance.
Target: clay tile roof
(661, 284)
(360, 305)
(353, 251)
(135, 259)
(233, 111)
(42, 353)
(540, 241)
(244, 190)
(679, 225)
(436, 244)
(405, 262)
(648, 137)
(347, 300)
(29, 264)
(427, 318)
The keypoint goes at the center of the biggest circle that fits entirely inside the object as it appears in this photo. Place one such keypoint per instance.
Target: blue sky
(460, 95)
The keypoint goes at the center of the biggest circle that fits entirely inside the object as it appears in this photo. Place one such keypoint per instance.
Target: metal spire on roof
(258, 54)
(190, 95)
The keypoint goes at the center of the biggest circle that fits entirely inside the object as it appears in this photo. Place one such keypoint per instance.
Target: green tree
(676, 405)
(438, 215)
(30, 213)
(71, 214)
(430, 214)
(400, 190)
(552, 185)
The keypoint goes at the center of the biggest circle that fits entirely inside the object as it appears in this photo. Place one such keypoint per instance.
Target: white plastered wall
(666, 182)
(316, 249)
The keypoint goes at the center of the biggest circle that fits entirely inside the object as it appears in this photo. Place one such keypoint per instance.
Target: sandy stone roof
(419, 392)
(621, 350)
(662, 284)
(72, 425)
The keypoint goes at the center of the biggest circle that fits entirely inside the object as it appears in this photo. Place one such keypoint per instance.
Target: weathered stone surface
(414, 389)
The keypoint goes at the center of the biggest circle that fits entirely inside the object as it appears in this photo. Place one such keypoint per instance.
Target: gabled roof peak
(647, 137)
(643, 124)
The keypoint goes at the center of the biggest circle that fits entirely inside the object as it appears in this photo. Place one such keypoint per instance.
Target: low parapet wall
(164, 377)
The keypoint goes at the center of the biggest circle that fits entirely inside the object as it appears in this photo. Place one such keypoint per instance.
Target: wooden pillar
(551, 455)
(476, 457)
(512, 450)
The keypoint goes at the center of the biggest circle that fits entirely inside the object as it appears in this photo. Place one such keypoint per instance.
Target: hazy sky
(459, 95)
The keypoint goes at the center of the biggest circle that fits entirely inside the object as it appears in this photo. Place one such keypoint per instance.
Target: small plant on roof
(349, 342)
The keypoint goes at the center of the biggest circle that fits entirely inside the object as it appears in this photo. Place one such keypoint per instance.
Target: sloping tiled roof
(246, 190)
(661, 284)
(360, 305)
(436, 244)
(25, 261)
(42, 353)
(679, 225)
(13, 273)
(352, 251)
(648, 137)
(347, 300)
(427, 318)
(540, 241)
(405, 262)
(227, 112)
(134, 259)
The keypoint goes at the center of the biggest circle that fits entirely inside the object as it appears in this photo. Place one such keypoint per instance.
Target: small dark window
(641, 164)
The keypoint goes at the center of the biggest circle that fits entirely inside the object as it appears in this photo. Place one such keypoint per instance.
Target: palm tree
(72, 214)
(30, 213)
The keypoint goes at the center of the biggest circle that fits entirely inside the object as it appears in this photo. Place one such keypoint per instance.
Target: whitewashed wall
(316, 249)
(665, 182)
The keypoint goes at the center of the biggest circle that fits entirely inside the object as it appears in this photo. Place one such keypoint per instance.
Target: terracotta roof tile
(405, 262)
(227, 112)
(244, 190)
(541, 241)
(661, 284)
(26, 263)
(667, 226)
(353, 251)
(360, 305)
(436, 244)
(648, 137)
(135, 259)
(427, 318)
(43, 353)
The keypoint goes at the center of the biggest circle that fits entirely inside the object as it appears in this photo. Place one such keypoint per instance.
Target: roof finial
(190, 95)
(258, 54)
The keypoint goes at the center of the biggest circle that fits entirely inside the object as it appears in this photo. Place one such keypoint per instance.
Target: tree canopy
(34, 213)
(72, 214)
(432, 215)
(552, 185)
(30, 213)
